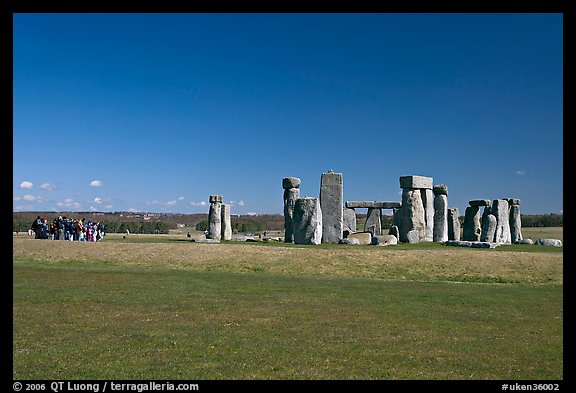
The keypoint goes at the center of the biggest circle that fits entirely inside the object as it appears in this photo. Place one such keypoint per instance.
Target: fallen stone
(384, 240)
(348, 240)
(549, 242)
(526, 241)
(209, 241)
(471, 244)
(362, 237)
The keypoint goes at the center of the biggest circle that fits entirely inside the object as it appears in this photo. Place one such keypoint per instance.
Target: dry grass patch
(443, 264)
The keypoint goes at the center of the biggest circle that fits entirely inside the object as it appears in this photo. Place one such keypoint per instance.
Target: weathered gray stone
(362, 237)
(500, 210)
(349, 240)
(453, 223)
(394, 231)
(413, 236)
(290, 182)
(307, 220)
(373, 222)
(471, 230)
(384, 240)
(208, 241)
(349, 217)
(290, 197)
(440, 218)
(215, 218)
(479, 202)
(372, 204)
(415, 182)
(440, 189)
(488, 228)
(515, 224)
(398, 217)
(428, 202)
(413, 215)
(549, 242)
(215, 199)
(226, 224)
(331, 202)
(513, 201)
(526, 241)
(471, 244)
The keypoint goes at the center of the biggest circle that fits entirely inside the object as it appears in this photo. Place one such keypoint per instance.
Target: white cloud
(48, 186)
(202, 203)
(170, 203)
(520, 173)
(132, 210)
(241, 203)
(251, 214)
(108, 206)
(30, 198)
(26, 184)
(181, 198)
(92, 209)
(69, 204)
(98, 200)
(96, 183)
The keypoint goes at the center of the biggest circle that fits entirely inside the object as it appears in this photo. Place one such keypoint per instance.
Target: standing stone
(453, 223)
(215, 218)
(515, 224)
(500, 210)
(413, 217)
(373, 221)
(413, 236)
(394, 231)
(331, 203)
(291, 194)
(226, 225)
(428, 202)
(440, 233)
(397, 213)
(472, 228)
(349, 217)
(488, 228)
(307, 221)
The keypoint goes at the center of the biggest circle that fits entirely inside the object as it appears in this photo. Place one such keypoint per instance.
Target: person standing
(37, 228)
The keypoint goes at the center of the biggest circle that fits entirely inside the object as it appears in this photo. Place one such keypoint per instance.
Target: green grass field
(172, 309)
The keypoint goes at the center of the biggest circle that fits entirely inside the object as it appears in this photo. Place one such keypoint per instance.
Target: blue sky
(156, 112)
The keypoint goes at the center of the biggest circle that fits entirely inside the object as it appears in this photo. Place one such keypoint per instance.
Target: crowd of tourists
(62, 228)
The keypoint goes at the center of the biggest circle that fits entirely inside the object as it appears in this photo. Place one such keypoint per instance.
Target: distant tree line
(548, 220)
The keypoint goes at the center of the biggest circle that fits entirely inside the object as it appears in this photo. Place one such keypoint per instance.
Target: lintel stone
(415, 182)
(480, 202)
(372, 204)
(215, 198)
